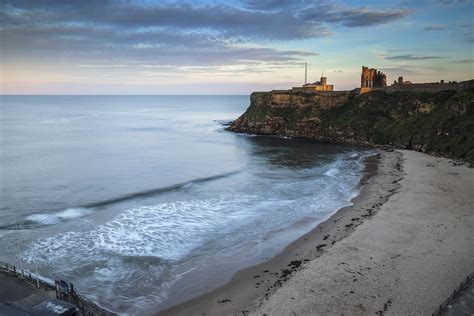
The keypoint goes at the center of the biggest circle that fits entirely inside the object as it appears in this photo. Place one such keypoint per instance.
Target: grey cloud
(469, 36)
(464, 61)
(435, 28)
(351, 17)
(276, 5)
(447, 2)
(327, 12)
(163, 47)
(225, 20)
(405, 50)
(412, 57)
(130, 32)
(405, 70)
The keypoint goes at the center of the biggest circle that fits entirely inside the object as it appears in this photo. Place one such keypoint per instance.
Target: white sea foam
(332, 172)
(166, 230)
(57, 217)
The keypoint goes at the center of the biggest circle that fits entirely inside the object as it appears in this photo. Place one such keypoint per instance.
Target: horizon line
(119, 95)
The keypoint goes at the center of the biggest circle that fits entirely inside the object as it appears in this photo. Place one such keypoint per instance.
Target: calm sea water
(145, 201)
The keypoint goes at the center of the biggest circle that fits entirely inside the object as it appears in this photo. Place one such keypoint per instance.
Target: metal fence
(65, 291)
(27, 275)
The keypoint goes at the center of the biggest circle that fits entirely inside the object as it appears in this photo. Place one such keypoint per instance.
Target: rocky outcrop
(440, 122)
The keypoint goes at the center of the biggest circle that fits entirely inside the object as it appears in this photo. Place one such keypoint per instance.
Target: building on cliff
(321, 85)
(372, 79)
(318, 86)
(400, 81)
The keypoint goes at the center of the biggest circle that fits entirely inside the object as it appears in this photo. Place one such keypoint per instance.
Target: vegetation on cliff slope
(441, 122)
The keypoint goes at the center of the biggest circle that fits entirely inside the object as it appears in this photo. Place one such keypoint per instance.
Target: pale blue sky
(231, 47)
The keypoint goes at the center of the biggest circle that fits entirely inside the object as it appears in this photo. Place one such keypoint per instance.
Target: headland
(422, 117)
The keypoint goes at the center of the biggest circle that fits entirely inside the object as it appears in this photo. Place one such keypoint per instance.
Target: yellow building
(316, 86)
(321, 85)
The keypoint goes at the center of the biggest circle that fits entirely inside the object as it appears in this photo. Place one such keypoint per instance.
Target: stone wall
(430, 87)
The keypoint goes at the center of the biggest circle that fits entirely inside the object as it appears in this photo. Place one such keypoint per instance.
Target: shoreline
(250, 286)
(406, 260)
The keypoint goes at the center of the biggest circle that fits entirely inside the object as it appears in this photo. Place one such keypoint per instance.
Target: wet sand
(249, 286)
(402, 248)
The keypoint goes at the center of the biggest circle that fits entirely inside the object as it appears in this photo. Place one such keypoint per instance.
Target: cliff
(433, 122)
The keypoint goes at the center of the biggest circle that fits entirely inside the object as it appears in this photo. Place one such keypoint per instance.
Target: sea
(143, 202)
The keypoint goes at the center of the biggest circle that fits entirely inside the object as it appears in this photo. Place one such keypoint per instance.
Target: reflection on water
(293, 153)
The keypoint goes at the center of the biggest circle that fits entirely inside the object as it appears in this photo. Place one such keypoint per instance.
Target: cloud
(276, 5)
(152, 47)
(351, 17)
(447, 2)
(435, 27)
(326, 12)
(169, 33)
(167, 37)
(469, 36)
(118, 32)
(464, 61)
(412, 57)
(227, 21)
(403, 70)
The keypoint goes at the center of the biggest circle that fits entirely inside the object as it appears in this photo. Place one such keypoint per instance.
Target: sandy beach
(402, 248)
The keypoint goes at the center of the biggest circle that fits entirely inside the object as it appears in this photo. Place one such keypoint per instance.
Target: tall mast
(305, 72)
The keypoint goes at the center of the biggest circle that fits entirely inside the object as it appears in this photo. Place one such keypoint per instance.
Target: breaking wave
(57, 217)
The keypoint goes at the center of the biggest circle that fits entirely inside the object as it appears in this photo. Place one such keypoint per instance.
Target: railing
(27, 276)
(65, 291)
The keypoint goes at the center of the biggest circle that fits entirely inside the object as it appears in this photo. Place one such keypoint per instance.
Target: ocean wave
(166, 230)
(52, 218)
(332, 172)
(161, 190)
(57, 217)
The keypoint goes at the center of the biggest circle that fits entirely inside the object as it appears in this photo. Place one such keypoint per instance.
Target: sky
(227, 47)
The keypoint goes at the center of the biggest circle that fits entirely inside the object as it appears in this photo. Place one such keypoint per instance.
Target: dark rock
(225, 300)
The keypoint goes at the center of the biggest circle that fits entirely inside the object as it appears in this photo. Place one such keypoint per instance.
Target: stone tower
(367, 78)
(371, 78)
(324, 81)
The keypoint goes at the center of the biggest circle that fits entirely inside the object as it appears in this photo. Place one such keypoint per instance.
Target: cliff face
(440, 122)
